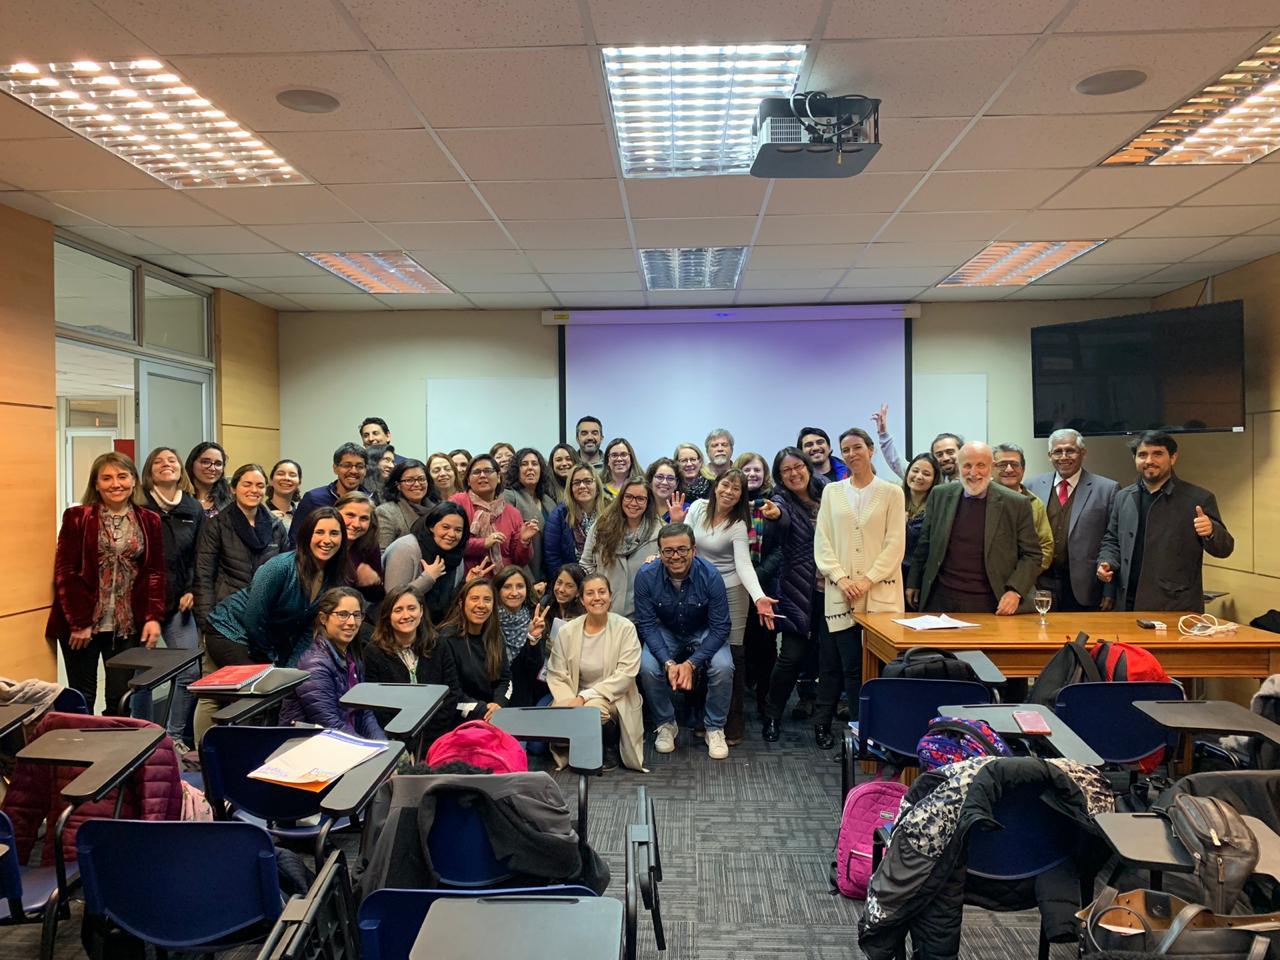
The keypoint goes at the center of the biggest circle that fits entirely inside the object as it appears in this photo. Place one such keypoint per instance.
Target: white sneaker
(665, 741)
(717, 749)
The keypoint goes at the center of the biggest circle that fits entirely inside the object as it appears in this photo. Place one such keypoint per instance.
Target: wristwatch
(670, 663)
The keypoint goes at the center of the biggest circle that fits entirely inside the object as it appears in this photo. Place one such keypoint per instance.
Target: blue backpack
(951, 739)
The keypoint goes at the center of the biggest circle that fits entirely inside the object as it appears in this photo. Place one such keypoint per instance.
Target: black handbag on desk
(1224, 848)
(1160, 924)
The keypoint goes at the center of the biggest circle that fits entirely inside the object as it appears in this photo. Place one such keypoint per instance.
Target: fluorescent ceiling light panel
(143, 112)
(687, 111)
(692, 268)
(1235, 119)
(1013, 264)
(387, 272)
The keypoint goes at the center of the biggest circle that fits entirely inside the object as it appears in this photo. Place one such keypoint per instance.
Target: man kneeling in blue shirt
(682, 616)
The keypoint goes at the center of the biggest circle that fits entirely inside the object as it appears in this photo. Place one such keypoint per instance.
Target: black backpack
(1072, 664)
(926, 663)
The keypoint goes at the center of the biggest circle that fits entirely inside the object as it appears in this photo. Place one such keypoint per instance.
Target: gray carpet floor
(746, 846)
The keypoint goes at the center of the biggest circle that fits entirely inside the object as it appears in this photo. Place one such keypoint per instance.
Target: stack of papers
(317, 762)
(940, 622)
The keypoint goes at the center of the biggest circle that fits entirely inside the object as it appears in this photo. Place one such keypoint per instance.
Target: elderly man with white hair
(978, 551)
(1078, 504)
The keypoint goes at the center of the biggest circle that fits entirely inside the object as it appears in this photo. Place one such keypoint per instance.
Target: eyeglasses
(794, 470)
(685, 461)
(620, 456)
(1064, 453)
(352, 467)
(342, 616)
(1004, 465)
(663, 478)
(483, 472)
(634, 498)
(583, 482)
(414, 481)
(209, 464)
(672, 553)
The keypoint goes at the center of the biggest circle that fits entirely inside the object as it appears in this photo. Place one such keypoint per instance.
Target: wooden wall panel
(1266, 496)
(24, 652)
(250, 445)
(246, 345)
(26, 309)
(27, 489)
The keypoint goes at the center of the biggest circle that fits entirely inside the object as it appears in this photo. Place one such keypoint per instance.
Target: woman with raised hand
(594, 663)
(561, 460)
(569, 523)
(474, 637)
(429, 559)
(624, 539)
(284, 490)
(620, 465)
(108, 579)
(498, 533)
(407, 495)
(529, 487)
(332, 669)
(364, 557)
(235, 543)
(445, 477)
(663, 479)
(206, 468)
(523, 626)
(689, 458)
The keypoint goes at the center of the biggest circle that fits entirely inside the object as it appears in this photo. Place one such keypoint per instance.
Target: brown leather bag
(1153, 922)
(1224, 848)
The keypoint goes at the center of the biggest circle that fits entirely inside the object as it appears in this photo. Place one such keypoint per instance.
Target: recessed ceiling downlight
(308, 101)
(1110, 81)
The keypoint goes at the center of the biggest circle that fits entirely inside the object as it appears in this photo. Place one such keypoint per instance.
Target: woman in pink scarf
(499, 536)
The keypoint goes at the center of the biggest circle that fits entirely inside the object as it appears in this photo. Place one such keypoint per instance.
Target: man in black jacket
(1160, 529)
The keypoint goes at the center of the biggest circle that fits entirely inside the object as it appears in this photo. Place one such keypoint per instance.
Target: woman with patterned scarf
(498, 533)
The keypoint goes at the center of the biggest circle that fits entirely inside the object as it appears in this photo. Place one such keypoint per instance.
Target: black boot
(771, 730)
(822, 736)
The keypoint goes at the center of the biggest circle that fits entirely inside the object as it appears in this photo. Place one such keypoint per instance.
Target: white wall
(338, 368)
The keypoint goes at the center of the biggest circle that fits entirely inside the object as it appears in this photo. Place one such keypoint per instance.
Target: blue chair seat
(39, 884)
(306, 831)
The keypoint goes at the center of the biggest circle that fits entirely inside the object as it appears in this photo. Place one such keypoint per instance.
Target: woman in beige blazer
(593, 662)
(858, 544)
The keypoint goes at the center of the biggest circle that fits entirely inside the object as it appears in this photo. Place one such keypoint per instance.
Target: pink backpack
(480, 744)
(867, 807)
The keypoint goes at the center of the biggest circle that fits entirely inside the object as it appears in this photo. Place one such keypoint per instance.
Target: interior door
(175, 406)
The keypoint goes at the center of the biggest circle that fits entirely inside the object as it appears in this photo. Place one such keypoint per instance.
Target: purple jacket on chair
(316, 698)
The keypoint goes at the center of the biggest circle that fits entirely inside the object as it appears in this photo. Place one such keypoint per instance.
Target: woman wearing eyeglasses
(663, 478)
(569, 523)
(498, 533)
(620, 543)
(619, 466)
(689, 459)
(333, 670)
(407, 495)
(206, 468)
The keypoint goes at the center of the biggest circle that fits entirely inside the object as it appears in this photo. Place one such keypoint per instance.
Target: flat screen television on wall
(1177, 370)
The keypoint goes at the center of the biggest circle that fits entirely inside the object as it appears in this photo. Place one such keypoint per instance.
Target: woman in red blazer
(499, 534)
(108, 578)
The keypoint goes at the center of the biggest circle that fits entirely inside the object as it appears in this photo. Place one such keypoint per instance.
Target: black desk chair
(321, 925)
(643, 874)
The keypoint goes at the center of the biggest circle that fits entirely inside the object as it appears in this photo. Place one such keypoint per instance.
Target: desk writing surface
(1064, 741)
(579, 726)
(13, 715)
(106, 751)
(159, 664)
(413, 703)
(1209, 716)
(521, 928)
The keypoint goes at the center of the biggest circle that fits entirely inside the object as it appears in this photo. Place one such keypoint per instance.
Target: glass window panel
(174, 318)
(92, 293)
(173, 410)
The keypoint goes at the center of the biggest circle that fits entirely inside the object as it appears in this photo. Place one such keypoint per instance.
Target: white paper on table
(940, 622)
(320, 759)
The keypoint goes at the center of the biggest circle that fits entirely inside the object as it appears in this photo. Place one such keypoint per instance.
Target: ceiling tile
(806, 256)
(783, 297)
(339, 301)
(602, 300)
(1137, 186)
(845, 228)
(37, 206)
(945, 294)
(159, 207)
(1041, 291)
(1240, 248)
(233, 26)
(327, 237)
(569, 234)
(513, 301)
(1079, 272)
(473, 261)
(386, 202)
(263, 265)
(989, 190)
(67, 164)
(1206, 221)
(1105, 16)
(120, 241)
(926, 18)
(1191, 271)
(622, 22)
(227, 283)
(371, 156)
(400, 25)
(321, 283)
(180, 264)
(246, 88)
(691, 298)
(494, 282)
(895, 276)
(950, 77)
(532, 153)
(529, 86)
(865, 193)
(207, 240)
(1078, 224)
(790, 279)
(1043, 142)
(582, 261)
(275, 301)
(710, 232)
(1142, 290)
(554, 199)
(302, 203)
(21, 122)
(1164, 250)
(923, 254)
(1255, 182)
(425, 301)
(53, 30)
(581, 282)
(913, 143)
(947, 226)
(727, 196)
(1176, 64)
(873, 294)
(467, 235)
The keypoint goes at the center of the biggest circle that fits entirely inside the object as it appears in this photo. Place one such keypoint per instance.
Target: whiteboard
(952, 402)
(475, 413)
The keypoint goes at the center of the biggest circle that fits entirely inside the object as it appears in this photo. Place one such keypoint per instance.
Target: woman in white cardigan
(594, 662)
(858, 544)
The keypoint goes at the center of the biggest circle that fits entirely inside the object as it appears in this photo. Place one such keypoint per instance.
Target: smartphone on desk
(1029, 721)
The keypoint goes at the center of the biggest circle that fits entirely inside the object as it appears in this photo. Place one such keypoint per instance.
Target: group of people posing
(579, 578)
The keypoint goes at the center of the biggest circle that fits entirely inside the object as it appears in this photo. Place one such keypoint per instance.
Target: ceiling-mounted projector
(812, 136)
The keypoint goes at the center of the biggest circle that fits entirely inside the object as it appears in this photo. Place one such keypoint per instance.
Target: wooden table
(1020, 647)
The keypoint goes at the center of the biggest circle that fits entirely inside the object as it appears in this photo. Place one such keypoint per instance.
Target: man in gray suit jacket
(1160, 530)
(1078, 504)
(978, 551)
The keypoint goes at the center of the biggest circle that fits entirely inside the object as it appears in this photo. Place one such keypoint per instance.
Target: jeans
(82, 669)
(840, 656)
(795, 650)
(180, 633)
(657, 689)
